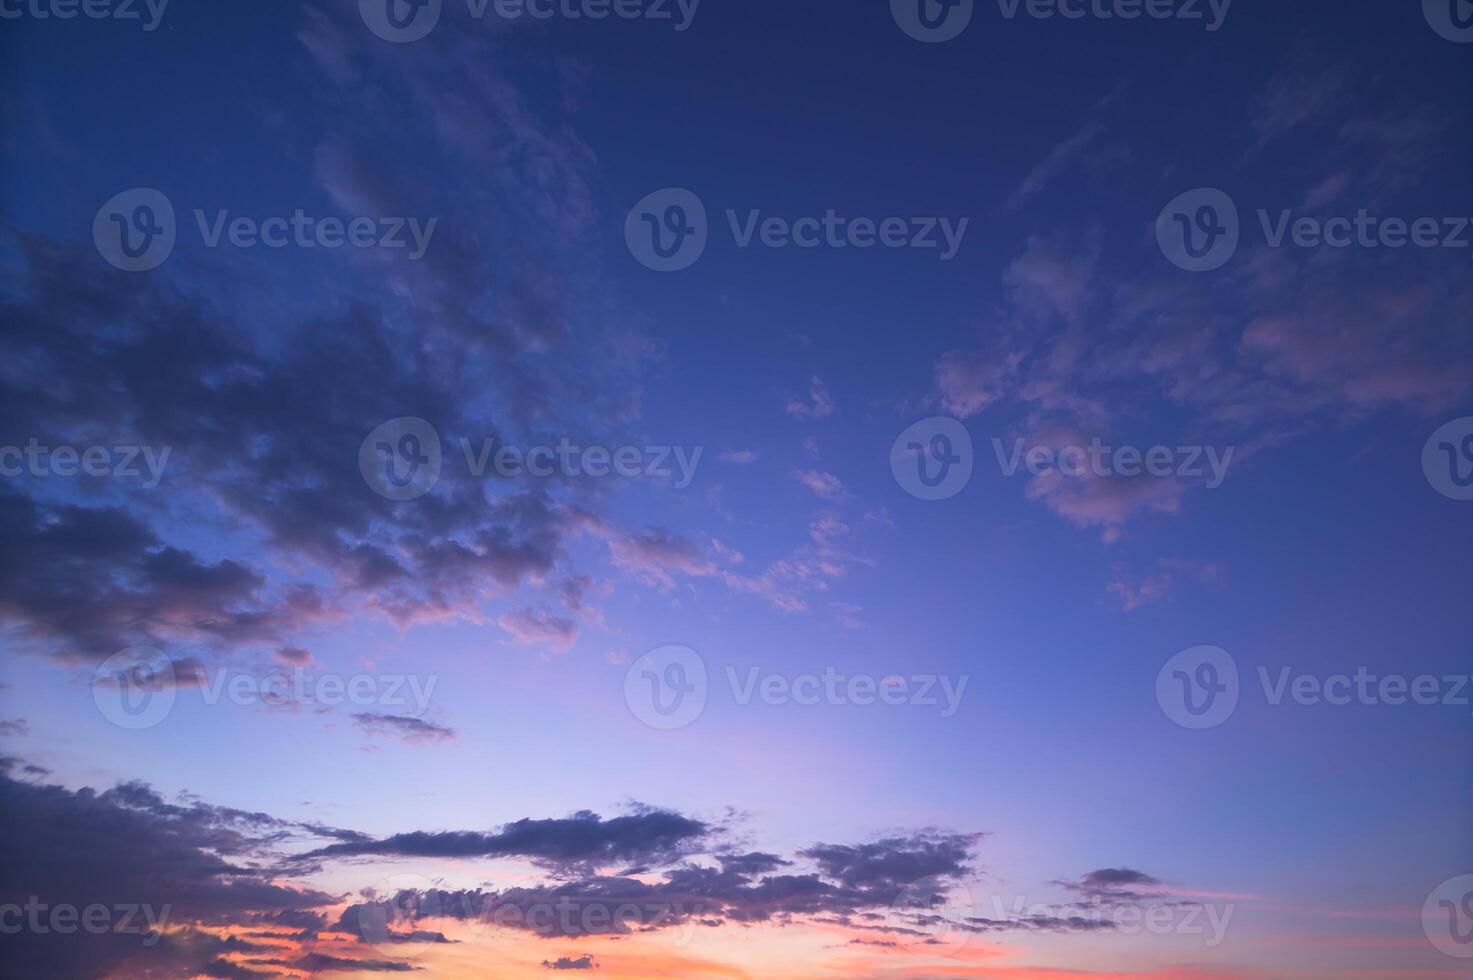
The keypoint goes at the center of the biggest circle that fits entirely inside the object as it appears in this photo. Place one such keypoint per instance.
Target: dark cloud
(584, 962)
(415, 731)
(324, 963)
(1116, 884)
(738, 891)
(649, 836)
(751, 863)
(90, 580)
(180, 864)
(894, 861)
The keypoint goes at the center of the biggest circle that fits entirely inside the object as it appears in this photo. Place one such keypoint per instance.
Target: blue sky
(1060, 779)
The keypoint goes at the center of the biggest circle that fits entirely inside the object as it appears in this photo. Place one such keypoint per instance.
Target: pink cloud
(819, 406)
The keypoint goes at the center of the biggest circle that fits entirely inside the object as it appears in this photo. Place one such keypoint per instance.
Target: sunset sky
(302, 665)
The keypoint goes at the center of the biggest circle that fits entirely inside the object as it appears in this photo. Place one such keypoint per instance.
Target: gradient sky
(1059, 786)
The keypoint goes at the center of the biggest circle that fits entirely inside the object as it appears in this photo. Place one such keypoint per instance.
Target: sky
(715, 489)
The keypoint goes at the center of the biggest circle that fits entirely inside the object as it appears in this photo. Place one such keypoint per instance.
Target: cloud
(1054, 278)
(820, 405)
(1292, 98)
(1058, 161)
(540, 629)
(1135, 591)
(415, 731)
(895, 861)
(647, 836)
(740, 457)
(1117, 885)
(110, 579)
(295, 656)
(191, 863)
(654, 554)
(967, 382)
(825, 485)
(1104, 501)
(584, 962)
